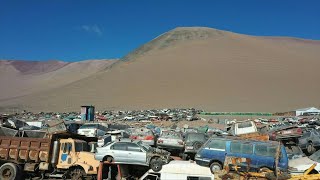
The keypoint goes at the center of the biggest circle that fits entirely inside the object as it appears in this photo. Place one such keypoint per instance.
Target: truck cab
(75, 153)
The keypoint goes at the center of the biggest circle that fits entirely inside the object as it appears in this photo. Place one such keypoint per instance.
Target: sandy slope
(20, 78)
(202, 68)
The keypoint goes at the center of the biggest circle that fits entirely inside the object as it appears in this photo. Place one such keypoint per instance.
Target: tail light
(133, 137)
(299, 130)
(149, 138)
(180, 142)
(160, 141)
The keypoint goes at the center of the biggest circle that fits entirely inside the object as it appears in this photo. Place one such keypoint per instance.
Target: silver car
(133, 152)
(171, 140)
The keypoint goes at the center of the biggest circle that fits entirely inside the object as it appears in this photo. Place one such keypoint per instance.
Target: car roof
(233, 138)
(183, 167)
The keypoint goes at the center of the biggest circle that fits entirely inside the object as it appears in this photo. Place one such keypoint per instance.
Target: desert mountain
(197, 67)
(20, 78)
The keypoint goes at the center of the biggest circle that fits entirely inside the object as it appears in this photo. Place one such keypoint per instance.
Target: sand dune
(197, 67)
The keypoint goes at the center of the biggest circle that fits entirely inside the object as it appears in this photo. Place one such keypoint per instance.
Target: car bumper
(202, 161)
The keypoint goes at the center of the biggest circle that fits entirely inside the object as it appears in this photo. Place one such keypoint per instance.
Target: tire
(197, 145)
(185, 157)
(77, 173)
(156, 164)
(310, 148)
(9, 171)
(215, 167)
(109, 159)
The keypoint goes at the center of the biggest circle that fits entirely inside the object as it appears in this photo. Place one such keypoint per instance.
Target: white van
(92, 130)
(180, 170)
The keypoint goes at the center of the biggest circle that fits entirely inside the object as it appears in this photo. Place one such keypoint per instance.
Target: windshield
(144, 146)
(196, 137)
(89, 126)
(81, 146)
(315, 156)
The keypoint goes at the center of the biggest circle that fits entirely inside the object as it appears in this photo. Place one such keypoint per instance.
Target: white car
(300, 165)
(181, 170)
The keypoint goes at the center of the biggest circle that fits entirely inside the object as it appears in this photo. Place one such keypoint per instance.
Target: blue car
(261, 153)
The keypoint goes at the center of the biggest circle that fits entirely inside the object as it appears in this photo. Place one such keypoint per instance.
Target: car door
(215, 150)
(136, 155)
(119, 152)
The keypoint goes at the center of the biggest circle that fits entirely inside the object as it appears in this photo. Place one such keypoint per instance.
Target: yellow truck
(58, 155)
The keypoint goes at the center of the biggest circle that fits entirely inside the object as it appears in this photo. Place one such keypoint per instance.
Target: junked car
(293, 150)
(310, 141)
(92, 130)
(143, 134)
(193, 142)
(133, 152)
(171, 140)
(300, 165)
(283, 132)
(262, 153)
(180, 170)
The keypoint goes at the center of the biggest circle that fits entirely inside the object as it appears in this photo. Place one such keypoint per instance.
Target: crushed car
(284, 131)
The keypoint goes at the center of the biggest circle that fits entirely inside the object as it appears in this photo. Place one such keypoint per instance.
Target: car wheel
(108, 158)
(9, 171)
(77, 174)
(215, 167)
(156, 164)
(197, 145)
(310, 148)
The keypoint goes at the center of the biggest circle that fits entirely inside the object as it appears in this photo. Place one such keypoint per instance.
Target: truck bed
(23, 149)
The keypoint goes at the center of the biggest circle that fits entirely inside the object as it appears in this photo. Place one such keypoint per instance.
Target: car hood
(301, 164)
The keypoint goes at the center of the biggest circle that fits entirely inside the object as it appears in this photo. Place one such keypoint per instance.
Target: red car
(285, 132)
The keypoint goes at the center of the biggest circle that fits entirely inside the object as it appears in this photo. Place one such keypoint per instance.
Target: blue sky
(79, 30)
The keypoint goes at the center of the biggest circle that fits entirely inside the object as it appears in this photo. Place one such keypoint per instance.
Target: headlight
(198, 156)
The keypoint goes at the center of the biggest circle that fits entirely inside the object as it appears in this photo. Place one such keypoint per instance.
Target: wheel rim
(215, 168)
(310, 149)
(6, 173)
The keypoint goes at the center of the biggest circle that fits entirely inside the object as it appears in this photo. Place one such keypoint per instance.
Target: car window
(315, 156)
(217, 144)
(238, 147)
(170, 134)
(265, 150)
(133, 147)
(306, 134)
(245, 124)
(196, 137)
(119, 146)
